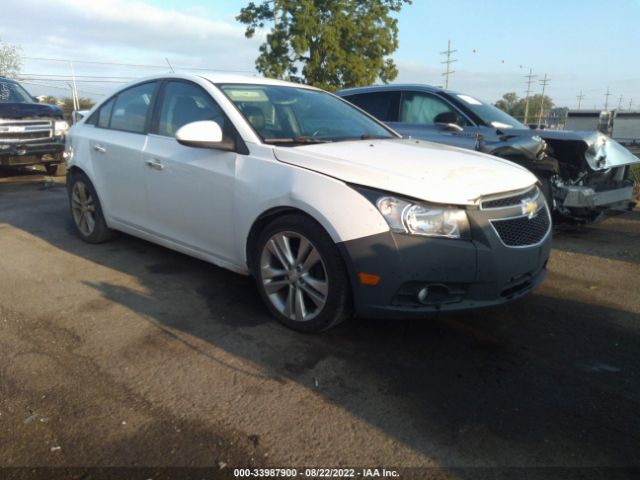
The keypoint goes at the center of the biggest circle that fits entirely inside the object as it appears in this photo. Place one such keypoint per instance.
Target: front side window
(11, 92)
(104, 114)
(293, 115)
(423, 108)
(131, 108)
(185, 103)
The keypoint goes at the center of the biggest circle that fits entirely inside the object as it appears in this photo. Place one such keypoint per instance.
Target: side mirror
(203, 134)
(449, 121)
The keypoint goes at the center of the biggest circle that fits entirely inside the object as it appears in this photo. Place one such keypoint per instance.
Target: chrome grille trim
(24, 131)
(509, 200)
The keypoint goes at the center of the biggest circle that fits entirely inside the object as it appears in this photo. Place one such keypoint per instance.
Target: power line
(137, 65)
(68, 79)
(448, 61)
(77, 76)
(529, 78)
(62, 88)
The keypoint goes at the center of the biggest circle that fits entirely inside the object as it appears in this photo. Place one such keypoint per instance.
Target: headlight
(406, 217)
(60, 127)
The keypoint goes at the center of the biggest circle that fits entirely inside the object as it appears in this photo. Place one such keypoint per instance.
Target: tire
(311, 293)
(86, 211)
(55, 169)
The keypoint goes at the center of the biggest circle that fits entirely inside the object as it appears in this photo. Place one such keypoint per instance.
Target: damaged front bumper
(573, 196)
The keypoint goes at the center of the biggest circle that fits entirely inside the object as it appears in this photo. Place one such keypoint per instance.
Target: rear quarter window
(382, 105)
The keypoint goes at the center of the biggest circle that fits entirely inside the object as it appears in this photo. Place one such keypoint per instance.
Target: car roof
(221, 78)
(394, 86)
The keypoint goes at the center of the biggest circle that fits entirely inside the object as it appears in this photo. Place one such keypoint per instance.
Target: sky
(582, 45)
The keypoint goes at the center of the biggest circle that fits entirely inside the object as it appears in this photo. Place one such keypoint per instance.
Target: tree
(10, 60)
(515, 106)
(331, 44)
(67, 106)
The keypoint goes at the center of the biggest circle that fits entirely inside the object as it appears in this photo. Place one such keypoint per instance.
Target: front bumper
(574, 196)
(32, 153)
(457, 274)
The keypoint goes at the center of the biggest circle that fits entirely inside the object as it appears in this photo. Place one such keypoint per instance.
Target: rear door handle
(99, 148)
(154, 163)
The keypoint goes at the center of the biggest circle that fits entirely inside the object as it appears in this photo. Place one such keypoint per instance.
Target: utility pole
(606, 101)
(74, 89)
(580, 98)
(630, 104)
(529, 78)
(448, 61)
(544, 84)
(620, 103)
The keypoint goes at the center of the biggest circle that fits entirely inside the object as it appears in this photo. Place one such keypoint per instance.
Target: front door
(189, 190)
(419, 117)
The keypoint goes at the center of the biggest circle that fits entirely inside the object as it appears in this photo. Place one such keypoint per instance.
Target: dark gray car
(583, 174)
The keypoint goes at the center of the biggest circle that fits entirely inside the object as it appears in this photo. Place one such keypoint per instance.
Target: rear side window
(382, 105)
(131, 108)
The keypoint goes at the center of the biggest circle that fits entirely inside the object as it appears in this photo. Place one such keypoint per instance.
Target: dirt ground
(127, 354)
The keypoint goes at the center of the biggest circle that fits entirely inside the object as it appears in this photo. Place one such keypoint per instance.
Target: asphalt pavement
(128, 354)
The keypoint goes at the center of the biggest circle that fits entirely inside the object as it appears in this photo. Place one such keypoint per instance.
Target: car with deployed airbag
(584, 175)
(293, 185)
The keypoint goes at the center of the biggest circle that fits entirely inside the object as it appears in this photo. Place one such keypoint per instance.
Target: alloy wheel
(294, 276)
(83, 208)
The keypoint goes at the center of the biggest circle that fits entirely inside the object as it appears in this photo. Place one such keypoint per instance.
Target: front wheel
(300, 274)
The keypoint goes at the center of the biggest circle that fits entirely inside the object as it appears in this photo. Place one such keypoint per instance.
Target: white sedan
(328, 209)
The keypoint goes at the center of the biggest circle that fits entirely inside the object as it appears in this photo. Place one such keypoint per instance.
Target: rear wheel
(300, 274)
(86, 211)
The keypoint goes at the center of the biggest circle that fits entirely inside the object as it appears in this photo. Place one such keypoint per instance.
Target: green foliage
(515, 106)
(66, 104)
(10, 60)
(331, 44)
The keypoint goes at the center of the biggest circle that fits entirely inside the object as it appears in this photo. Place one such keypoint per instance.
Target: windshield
(490, 115)
(11, 92)
(293, 116)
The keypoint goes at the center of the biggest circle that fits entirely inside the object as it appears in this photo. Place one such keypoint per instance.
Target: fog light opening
(434, 293)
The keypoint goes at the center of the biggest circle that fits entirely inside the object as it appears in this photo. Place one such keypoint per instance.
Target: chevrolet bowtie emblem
(529, 207)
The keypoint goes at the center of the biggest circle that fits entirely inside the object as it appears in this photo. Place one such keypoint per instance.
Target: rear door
(116, 146)
(189, 190)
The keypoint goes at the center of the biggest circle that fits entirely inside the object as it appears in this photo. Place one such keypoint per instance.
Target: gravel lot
(128, 354)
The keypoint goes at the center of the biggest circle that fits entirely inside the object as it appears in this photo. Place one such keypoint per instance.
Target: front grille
(523, 231)
(25, 130)
(510, 201)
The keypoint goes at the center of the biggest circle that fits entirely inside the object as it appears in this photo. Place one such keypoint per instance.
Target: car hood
(600, 151)
(25, 110)
(414, 168)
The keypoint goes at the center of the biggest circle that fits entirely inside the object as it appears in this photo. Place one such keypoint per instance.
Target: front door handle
(154, 163)
(99, 148)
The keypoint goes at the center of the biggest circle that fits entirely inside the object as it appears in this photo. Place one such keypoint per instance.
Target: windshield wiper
(299, 139)
(374, 137)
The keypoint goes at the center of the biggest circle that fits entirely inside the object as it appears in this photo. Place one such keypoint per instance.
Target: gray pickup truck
(31, 133)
